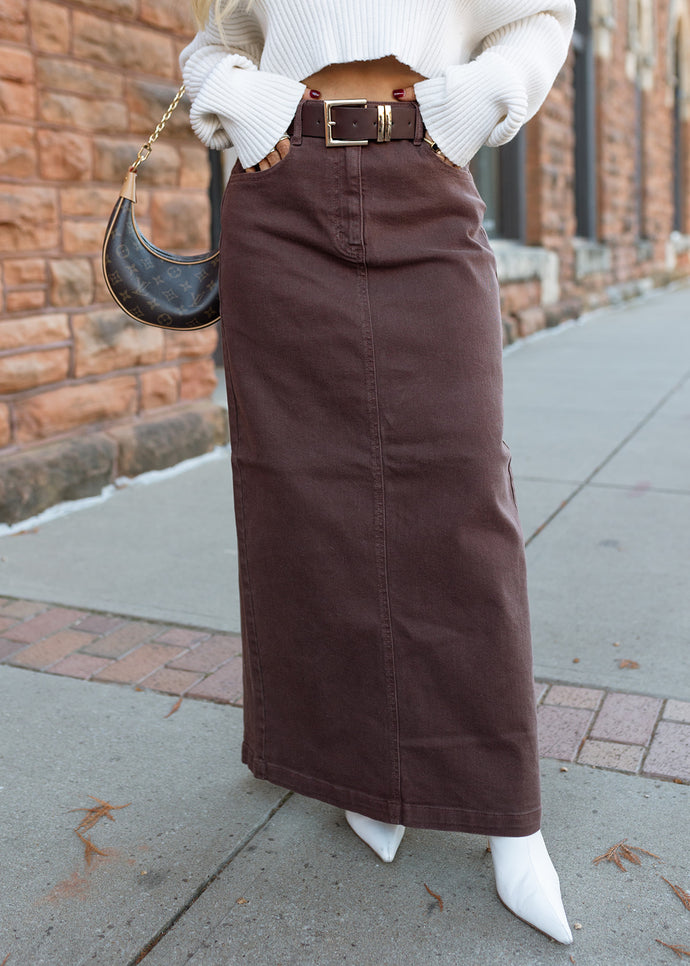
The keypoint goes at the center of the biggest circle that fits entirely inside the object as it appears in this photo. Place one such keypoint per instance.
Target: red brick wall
(634, 249)
(550, 174)
(550, 171)
(82, 83)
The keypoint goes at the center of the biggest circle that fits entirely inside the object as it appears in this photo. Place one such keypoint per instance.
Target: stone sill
(677, 246)
(679, 242)
(79, 466)
(644, 250)
(591, 257)
(520, 263)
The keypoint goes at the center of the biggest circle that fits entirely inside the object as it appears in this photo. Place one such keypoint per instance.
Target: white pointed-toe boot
(381, 837)
(528, 885)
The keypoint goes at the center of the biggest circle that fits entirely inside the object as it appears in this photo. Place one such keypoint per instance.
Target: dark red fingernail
(399, 94)
(315, 94)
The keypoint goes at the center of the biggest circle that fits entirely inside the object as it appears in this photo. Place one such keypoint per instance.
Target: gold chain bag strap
(151, 285)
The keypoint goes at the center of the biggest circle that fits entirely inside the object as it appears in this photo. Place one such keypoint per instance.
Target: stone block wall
(82, 84)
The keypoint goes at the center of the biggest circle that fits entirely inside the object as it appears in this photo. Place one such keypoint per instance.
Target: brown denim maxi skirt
(385, 625)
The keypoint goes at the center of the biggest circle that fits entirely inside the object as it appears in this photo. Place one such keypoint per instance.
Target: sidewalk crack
(199, 891)
(614, 452)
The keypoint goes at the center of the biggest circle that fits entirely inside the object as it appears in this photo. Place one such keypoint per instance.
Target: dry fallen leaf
(681, 893)
(96, 813)
(436, 897)
(632, 665)
(242, 901)
(5, 960)
(89, 848)
(174, 708)
(621, 851)
(93, 815)
(678, 950)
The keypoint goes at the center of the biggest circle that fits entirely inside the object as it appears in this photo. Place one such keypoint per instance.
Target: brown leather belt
(352, 122)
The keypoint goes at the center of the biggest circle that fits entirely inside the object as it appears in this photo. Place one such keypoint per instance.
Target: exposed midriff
(374, 79)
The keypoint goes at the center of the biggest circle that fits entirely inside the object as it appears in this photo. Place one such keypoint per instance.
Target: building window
(215, 191)
(585, 124)
(500, 177)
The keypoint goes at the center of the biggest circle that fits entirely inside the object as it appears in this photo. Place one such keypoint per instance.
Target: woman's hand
(273, 157)
(404, 94)
(439, 154)
(283, 146)
(408, 94)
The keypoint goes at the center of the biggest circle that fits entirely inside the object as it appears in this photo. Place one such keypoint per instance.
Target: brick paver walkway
(608, 729)
(104, 647)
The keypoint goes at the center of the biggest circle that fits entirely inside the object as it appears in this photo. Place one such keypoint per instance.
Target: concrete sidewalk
(209, 866)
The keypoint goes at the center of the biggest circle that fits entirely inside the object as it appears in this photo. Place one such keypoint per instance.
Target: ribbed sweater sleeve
(487, 100)
(489, 64)
(233, 102)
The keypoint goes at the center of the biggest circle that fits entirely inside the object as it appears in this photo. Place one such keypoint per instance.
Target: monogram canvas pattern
(153, 286)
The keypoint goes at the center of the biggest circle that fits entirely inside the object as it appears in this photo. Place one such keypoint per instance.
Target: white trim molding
(603, 24)
(520, 263)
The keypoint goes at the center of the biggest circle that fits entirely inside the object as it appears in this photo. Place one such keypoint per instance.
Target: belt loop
(418, 126)
(296, 135)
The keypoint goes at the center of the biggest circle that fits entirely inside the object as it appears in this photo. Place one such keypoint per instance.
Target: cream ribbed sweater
(489, 64)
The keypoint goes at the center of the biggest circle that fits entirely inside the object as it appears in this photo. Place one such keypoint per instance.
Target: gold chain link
(147, 147)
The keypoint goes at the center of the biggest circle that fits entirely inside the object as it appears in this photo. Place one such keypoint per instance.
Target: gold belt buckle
(332, 142)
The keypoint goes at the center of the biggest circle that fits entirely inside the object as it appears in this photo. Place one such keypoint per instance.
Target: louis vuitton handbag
(149, 284)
